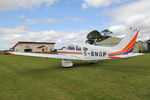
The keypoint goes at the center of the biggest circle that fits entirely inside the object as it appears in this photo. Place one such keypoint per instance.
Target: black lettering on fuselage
(98, 54)
(104, 54)
(85, 53)
(92, 53)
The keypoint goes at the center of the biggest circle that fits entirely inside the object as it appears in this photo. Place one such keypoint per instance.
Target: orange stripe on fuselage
(69, 52)
(114, 57)
(131, 42)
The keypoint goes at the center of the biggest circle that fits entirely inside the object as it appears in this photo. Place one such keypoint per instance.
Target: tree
(94, 36)
(106, 32)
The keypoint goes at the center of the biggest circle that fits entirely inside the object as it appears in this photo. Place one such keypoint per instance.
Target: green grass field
(31, 78)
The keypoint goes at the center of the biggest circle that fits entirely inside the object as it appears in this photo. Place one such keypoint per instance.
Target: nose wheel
(66, 63)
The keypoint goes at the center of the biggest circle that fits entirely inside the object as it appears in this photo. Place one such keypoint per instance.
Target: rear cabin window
(78, 48)
(85, 49)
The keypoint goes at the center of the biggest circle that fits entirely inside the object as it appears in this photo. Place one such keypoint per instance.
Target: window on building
(43, 50)
(27, 50)
(51, 50)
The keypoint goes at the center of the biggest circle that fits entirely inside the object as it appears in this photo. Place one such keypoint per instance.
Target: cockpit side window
(71, 48)
(63, 48)
(78, 48)
(85, 49)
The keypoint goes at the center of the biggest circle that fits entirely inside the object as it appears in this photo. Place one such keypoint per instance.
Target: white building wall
(21, 46)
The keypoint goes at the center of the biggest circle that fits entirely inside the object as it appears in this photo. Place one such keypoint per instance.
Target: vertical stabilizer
(127, 44)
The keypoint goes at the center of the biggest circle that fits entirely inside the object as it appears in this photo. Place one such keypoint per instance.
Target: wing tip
(9, 53)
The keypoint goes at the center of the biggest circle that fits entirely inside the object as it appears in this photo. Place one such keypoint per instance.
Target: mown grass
(31, 78)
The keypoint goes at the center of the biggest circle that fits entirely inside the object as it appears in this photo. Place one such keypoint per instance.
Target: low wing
(126, 55)
(71, 57)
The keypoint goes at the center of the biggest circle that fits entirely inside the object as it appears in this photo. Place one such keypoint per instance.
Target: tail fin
(126, 45)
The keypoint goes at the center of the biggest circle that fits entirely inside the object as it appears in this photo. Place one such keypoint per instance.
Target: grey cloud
(134, 15)
(15, 4)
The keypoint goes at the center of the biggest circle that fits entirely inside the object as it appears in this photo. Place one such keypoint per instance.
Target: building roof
(32, 43)
(111, 40)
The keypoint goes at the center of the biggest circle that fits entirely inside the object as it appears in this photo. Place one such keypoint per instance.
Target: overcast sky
(69, 21)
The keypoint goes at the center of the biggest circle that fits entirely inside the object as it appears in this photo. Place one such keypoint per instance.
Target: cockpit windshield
(72, 47)
(85, 49)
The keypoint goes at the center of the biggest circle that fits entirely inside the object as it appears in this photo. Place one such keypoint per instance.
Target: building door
(27, 50)
(43, 50)
(148, 47)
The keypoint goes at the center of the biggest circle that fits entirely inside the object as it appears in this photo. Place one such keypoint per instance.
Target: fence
(2, 52)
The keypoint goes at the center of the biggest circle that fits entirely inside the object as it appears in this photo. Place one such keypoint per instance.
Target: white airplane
(91, 53)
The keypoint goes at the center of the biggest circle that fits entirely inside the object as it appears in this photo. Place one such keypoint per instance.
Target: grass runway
(31, 78)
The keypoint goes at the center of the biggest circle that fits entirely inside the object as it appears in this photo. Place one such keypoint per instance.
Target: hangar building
(148, 45)
(112, 41)
(33, 47)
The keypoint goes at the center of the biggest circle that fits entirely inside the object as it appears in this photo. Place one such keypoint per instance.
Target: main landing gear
(66, 63)
(92, 61)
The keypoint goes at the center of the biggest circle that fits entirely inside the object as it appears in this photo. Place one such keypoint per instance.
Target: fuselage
(86, 52)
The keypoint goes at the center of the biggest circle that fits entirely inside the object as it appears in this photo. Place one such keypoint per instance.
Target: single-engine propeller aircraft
(91, 53)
